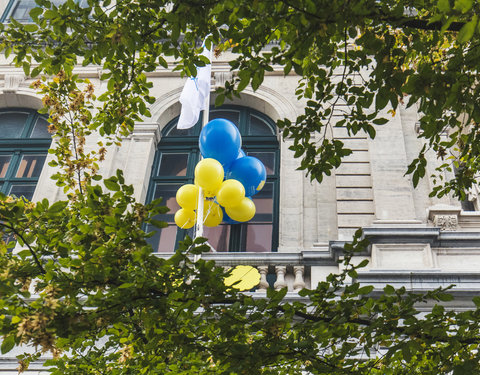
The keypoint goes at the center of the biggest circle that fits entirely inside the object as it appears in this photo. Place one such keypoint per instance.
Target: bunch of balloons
(227, 176)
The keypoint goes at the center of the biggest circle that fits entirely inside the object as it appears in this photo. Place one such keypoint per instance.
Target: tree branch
(35, 258)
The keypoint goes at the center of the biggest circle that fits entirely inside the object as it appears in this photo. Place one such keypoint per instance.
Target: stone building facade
(416, 241)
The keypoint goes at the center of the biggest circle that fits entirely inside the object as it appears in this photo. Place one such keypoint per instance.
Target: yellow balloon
(231, 193)
(209, 175)
(244, 278)
(209, 194)
(206, 193)
(243, 212)
(212, 214)
(187, 196)
(185, 218)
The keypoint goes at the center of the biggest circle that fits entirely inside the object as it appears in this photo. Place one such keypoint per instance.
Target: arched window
(24, 142)
(174, 165)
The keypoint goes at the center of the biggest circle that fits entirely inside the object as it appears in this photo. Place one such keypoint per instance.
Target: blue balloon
(250, 172)
(220, 140)
(227, 219)
(226, 168)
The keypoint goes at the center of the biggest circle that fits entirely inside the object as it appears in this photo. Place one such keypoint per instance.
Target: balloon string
(208, 212)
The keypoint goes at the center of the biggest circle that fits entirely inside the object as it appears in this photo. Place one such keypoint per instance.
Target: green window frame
(174, 163)
(24, 144)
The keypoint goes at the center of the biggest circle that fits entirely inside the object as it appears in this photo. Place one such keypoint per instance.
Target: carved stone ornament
(220, 78)
(446, 222)
(12, 82)
(473, 193)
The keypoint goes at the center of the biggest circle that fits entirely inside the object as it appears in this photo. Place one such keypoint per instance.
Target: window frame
(250, 143)
(18, 147)
(7, 11)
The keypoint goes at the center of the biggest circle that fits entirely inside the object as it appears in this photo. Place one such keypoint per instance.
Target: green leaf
(380, 121)
(476, 301)
(7, 344)
(445, 297)
(388, 289)
(371, 133)
(406, 352)
(463, 5)
(366, 289)
(353, 274)
(443, 6)
(467, 31)
(219, 100)
(50, 14)
(31, 27)
(381, 99)
(126, 285)
(35, 71)
(158, 223)
(111, 220)
(111, 185)
(244, 79)
(363, 263)
(57, 207)
(26, 68)
(35, 12)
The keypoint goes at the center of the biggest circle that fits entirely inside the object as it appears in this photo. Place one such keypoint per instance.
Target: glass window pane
(173, 165)
(264, 200)
(22, 9)
(163, 241)
(4, 163)
(12, 124)
(257, 126)
(231, 115)
(195, 130)
(168, 193)
(40, 129)
(30, 166)
(259, 237)
(218, 237)
(22, 190)
(267, 158)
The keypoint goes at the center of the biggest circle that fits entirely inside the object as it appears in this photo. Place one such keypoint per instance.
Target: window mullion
(7, 11)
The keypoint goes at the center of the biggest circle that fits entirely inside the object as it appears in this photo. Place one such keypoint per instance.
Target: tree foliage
(85, 284)
(365, 55)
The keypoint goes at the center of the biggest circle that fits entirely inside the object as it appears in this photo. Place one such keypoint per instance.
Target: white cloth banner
(194, 94)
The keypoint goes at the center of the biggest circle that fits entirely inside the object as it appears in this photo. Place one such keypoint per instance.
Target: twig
(35, 258)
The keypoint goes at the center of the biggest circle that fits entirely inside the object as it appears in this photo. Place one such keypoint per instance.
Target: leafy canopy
(86, 285)
(354, 59)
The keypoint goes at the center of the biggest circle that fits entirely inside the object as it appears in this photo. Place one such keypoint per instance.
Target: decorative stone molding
(465, 283)
(145, 131)
(219, 78)
(13, 82)
(444, 217)
(469, 219)
(446, 222)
